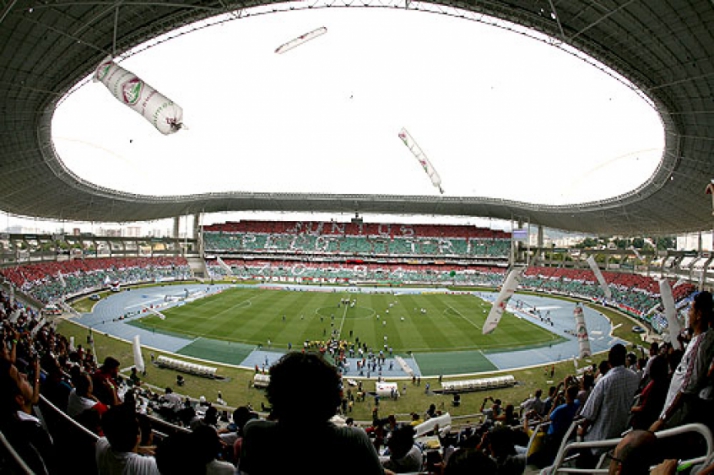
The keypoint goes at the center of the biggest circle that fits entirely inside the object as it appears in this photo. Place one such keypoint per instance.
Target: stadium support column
(175, 233)
(539, 245)
(196, 225)
(704, 280)
(512, 256)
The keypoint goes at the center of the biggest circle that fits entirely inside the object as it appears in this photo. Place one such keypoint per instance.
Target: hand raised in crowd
(668, 467)
(656, 425)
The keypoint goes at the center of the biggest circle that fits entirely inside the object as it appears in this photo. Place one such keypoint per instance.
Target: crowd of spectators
(58, 280)
(634, 294)
(332, 228)
(340, 272)
(671, 386)
(385, 240)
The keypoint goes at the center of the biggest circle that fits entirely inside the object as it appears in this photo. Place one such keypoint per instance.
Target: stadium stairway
(198, 267)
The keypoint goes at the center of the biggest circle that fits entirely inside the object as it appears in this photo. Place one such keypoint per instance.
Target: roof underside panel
(665, 48)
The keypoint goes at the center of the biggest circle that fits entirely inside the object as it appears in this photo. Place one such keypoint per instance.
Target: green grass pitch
(255, 316)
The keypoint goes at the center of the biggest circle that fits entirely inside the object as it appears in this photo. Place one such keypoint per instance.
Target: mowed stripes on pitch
(251, 316)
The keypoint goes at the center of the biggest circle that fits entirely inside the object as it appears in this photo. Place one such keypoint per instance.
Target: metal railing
(566, 447)
(14, 464)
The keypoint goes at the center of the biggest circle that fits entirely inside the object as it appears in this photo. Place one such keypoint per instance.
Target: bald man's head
(635, 453)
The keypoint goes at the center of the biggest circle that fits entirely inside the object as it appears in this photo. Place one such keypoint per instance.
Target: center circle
(351, 313)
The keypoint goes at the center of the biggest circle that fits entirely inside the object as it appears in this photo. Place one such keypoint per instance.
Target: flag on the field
(670, 312)
(509, 287)
(599, 277)
(582, 332)
(225, 266)
(60, 277)
(138, 357)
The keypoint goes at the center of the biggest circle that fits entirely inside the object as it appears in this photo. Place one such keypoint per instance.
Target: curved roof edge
(667, 51)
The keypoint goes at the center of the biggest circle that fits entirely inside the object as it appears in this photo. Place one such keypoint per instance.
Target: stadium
(399, 309)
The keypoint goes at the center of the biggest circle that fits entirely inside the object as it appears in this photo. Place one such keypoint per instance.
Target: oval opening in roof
(499, 114)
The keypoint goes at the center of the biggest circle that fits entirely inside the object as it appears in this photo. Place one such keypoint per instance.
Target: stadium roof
(666, 48)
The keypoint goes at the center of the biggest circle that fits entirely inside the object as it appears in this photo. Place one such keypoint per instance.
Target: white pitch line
(342, 323)
(238, 305)
(459, 314)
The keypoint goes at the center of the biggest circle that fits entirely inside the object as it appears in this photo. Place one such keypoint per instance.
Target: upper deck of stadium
(664, 48)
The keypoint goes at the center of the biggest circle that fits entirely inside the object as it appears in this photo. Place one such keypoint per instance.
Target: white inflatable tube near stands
(442, 421)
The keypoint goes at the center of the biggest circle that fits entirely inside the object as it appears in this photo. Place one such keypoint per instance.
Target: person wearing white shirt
(117, 452)
(607, 409)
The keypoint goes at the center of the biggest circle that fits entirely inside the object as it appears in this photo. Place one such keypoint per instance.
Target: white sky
(498, 114)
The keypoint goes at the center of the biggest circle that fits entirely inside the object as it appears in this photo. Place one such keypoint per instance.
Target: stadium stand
(337, 239)
(59, 280)
(658, 48)
(634, 294)
(60, 366)
(292, 271)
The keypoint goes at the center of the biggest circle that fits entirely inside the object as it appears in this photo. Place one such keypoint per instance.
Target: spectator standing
(81, 398)
(684, 402)
(134, 377)
(561, 417)
(509, 418)
(104, 381)
(302, 439)
(18, 397)
(654, 352)
(607, 409)
(171, 404)
(548, 403)
(56, 386)
(533, 404)
(586, 385)
(494, 411)
(651, 400)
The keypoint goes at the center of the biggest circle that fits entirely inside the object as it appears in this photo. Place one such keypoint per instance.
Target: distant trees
(639, 243)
